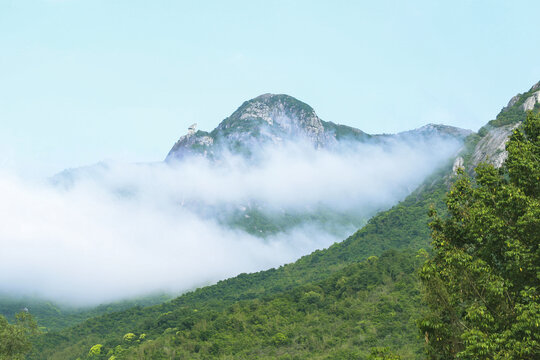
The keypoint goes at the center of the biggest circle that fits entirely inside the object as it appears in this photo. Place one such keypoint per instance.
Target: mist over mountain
(271, 183)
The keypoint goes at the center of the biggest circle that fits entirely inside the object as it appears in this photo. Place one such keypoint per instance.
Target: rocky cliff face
(490, 142)
(273, 119)
(531, 101)
(491, 147)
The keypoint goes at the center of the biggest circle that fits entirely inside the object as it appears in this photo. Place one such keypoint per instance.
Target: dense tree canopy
(14, 342)
(482, 282)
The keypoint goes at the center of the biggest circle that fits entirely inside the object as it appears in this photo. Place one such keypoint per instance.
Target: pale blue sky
(86, 80)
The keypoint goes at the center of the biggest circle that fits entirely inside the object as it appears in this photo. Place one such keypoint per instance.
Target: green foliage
(515, 113)
(379, 353)
(279, 339)
(95, 351)
(402, 227)
(365, 305)
(53, 317)
(344, 132)
(263, 223)
(482, 282)
(14, 338)
(129, 337)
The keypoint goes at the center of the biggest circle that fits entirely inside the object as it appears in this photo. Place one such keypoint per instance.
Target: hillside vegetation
(483, 282)
(366, 305)
(363, 297)
(402, 227)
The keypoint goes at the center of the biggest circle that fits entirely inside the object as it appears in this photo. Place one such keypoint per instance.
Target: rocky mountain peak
(277, 118)
(268, 118)
(492, 138)
(276, 115)
(268, 107)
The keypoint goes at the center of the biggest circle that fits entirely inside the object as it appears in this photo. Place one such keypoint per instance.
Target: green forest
(452, 271)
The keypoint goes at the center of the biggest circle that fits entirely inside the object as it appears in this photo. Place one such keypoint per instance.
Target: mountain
(268, 118)
(278, 118)
(403, 227)
(341, 302)
(489, 144)
(434, 130)
(268, 124)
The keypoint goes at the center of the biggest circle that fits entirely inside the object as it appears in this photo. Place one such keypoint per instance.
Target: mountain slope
(53, 317)
(365, 305)
(489, 144)
(404, 226)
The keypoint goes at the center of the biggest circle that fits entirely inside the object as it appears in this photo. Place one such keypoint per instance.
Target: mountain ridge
(404, 226)
(276, 118)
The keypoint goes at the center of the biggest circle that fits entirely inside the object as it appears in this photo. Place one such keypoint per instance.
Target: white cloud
(120, 230)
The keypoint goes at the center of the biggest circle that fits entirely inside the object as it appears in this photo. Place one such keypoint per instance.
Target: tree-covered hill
(52, 316)
(294, 311)
(361, 307)
(402, 227)
(483, 280)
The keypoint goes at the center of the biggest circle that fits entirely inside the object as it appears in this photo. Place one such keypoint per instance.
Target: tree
(14, 343)
(482, 281)
(380, 353)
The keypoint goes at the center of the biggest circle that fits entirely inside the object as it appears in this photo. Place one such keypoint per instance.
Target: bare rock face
(458, 164)
(491, 148)
(273, 118)
(191, 143)
(494, 136)
(531, 101)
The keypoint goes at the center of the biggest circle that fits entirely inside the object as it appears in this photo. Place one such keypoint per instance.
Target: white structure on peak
(191, 130)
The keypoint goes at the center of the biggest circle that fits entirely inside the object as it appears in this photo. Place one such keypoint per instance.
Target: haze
(117, 230)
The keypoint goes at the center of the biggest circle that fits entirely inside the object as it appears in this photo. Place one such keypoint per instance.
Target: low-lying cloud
(114, 231)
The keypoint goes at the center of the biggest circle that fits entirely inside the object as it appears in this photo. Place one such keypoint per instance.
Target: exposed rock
(491, 148)
(268, 118)
(275, 118)
(192, 143)
(458, 164)
(536, 86)
(531, 101)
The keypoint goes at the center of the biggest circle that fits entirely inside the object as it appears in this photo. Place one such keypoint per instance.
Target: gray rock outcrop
(458, 164)
(531, 101)
(491, 148)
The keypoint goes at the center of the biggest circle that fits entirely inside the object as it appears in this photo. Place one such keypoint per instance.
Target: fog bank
(113, 231)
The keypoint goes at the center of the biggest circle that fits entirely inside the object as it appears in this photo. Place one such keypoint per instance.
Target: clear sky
(87, 80)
